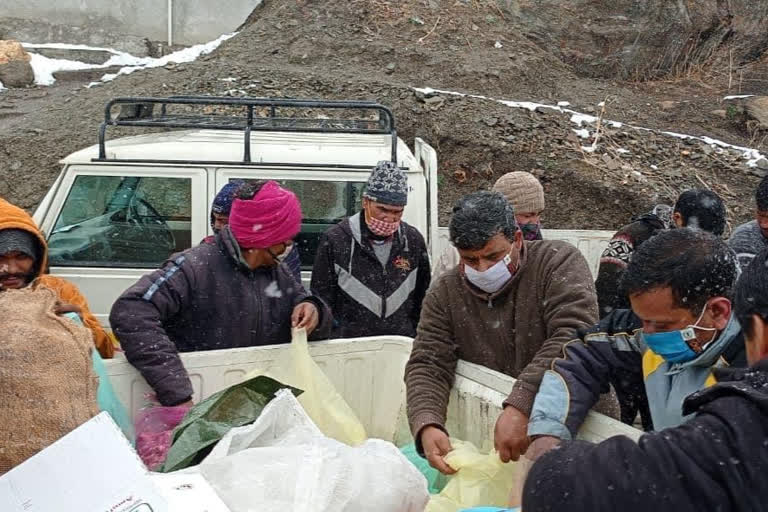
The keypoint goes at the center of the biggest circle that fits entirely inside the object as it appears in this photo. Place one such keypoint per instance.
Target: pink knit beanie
(272, 217)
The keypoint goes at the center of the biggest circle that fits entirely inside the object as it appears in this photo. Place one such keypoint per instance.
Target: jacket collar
(490, 298)
(225, 240)
(749, 383)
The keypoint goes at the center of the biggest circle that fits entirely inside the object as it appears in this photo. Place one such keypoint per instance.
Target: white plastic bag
(282, 462)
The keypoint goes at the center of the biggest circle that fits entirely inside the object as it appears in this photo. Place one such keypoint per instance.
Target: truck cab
(120, 208)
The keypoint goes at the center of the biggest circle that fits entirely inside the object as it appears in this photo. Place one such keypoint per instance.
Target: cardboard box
(95, 469)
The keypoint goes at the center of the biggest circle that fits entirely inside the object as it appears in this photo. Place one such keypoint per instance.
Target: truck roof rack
(141, 112)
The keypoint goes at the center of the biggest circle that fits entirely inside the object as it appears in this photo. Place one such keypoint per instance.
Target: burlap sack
(47, 383)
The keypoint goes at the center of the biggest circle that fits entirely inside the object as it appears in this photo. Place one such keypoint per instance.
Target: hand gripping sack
(324, 405)
(46, 374)
(480, 480)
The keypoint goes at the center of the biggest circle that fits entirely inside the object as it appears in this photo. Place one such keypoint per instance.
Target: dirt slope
(381, 50)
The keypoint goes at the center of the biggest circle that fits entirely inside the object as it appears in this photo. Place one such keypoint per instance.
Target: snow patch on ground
(580, 119)
(2, 88)
(738, 96)
(752, 156)
(583, 133)
(44, 67)
(179, 57)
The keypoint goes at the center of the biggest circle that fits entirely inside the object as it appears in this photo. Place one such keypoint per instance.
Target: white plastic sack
(282, 462)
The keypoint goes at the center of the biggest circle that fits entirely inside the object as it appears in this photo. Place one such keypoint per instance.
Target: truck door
(108, 226)
(427, 158)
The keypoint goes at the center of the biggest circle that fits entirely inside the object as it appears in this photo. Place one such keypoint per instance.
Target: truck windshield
(128, 221)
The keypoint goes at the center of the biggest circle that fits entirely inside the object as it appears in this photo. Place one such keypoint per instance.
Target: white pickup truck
(119, 208)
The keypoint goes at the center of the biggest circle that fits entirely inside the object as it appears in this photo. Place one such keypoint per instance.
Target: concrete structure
(193, 21)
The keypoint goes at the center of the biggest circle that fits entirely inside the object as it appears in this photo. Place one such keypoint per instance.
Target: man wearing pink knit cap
(233, 292)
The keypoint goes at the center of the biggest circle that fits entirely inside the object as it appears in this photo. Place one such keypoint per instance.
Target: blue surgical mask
(674, 346)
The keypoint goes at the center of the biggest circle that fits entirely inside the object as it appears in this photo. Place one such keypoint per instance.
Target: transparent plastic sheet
(283, 462)
(107, 399)
(154, 426)
(481, 480)
(324, 405)
(435, 480)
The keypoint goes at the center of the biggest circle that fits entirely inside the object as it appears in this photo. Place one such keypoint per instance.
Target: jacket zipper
(257, 311)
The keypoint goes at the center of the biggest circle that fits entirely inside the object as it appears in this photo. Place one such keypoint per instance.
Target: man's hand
(305, 316)
(436, 445)
(540, 446)
(61, 309)
(511, 434)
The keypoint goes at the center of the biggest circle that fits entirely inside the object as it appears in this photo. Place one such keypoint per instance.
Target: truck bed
(368, 372)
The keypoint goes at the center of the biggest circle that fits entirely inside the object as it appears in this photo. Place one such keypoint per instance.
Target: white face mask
(492, 279)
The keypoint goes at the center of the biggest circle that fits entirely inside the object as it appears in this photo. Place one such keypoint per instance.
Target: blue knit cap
(222, 203)
(387, 184)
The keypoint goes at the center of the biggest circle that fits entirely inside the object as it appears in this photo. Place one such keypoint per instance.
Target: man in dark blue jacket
(715, 461)
(681, 327)
(231, 293)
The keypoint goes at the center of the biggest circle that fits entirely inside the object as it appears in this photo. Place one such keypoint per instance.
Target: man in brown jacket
(510, 306)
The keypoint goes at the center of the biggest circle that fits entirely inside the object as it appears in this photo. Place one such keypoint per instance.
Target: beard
(13, 278)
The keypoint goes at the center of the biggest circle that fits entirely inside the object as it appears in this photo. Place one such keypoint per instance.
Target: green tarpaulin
(207, 422)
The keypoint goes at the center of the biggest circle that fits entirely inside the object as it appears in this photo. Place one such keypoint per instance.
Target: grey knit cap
(387, 184)
(18, 240)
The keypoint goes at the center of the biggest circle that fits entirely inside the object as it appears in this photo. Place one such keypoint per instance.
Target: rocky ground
(385, 50)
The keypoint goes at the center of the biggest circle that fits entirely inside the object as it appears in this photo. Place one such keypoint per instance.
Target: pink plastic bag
(154, 426)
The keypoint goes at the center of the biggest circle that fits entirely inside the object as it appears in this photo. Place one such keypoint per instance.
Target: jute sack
(47, 383)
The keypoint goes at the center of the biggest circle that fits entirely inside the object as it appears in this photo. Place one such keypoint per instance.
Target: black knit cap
(18, 240)
(387, 184)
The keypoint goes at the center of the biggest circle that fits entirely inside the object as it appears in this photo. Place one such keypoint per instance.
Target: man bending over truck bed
(715, 461)
(680, 285)
(510, 305)
(24, 261)
(231, 293)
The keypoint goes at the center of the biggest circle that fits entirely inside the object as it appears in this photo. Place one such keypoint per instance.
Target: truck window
(122, 221)
(323, 204)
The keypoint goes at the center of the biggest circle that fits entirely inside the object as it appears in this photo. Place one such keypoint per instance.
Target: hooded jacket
(205, 298)
(573, 384)
(715, 461)
(13, 217)
(615, 258)
(517, 330)
(366, 297)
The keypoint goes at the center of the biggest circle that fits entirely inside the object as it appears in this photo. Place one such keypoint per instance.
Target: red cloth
(272, 217)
